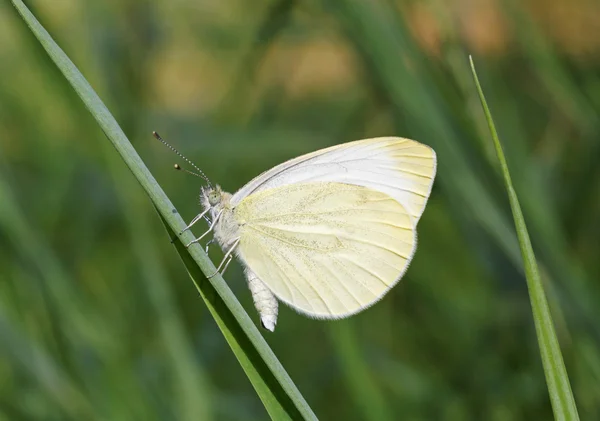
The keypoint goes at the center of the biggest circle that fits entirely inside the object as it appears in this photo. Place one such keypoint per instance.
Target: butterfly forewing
(402, 168)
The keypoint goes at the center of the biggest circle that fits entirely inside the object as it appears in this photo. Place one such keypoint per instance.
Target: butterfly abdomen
(264, 301)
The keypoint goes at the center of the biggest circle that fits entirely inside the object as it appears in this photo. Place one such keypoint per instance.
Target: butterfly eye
(214, 197)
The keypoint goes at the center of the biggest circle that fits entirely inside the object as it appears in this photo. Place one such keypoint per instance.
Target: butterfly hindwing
(327, 249)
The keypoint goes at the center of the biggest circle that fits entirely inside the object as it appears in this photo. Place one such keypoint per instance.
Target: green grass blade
(366, 393)
(191, 388)
(278, 404)
(278, 393)
(561, 396)
(41, 367)
(386, 48)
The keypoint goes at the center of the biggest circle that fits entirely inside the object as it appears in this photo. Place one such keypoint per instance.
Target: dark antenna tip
(177, 167)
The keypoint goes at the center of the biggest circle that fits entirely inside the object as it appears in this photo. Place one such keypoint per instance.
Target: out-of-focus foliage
(98, 319)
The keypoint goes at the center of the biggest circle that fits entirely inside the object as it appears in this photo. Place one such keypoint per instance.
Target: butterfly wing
(402, 168)
(327, 249)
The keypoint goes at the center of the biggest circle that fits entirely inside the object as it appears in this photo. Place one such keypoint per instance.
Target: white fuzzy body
(264, 300)
(226, 232)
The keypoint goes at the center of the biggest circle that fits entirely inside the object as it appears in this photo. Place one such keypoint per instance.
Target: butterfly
(328, 233)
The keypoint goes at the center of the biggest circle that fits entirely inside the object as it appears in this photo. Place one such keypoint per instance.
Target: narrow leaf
(277, 391)
(561, 396)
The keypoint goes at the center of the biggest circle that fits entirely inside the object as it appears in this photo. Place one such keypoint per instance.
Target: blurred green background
(98, 318)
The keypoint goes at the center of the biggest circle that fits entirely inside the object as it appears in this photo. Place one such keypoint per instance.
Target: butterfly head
(215, 200)
(214, 197)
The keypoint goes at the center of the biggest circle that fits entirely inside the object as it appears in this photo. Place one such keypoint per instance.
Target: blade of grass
(192, 389)
(54, 282)
(192, 397)
(44, 370)
(559, 388)
(251, 361)
(386, 48)
(399, 74)
(279, 394)
(362, 386)
(274, 21)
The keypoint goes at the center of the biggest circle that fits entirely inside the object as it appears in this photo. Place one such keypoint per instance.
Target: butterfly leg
(265, 302)
(208, 245)
(226, 265)
(227, 259)
(196, 219)
(212, 226)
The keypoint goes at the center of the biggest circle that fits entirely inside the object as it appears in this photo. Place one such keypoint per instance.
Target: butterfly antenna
(177, 167)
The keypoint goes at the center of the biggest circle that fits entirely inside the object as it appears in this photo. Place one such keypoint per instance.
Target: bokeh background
(98, 318)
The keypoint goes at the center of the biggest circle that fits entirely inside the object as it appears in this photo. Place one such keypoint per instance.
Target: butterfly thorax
(226, 230)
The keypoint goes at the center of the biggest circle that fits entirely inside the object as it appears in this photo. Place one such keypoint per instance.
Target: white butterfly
(328, 233)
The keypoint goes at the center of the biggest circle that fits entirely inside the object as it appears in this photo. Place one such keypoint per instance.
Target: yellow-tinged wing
(402, 168)
(327, 249)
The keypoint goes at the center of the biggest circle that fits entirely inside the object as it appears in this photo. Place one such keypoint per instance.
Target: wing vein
(343, 285)
(349, 276)
(364, 269)
(307, 283)
(330, 234)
